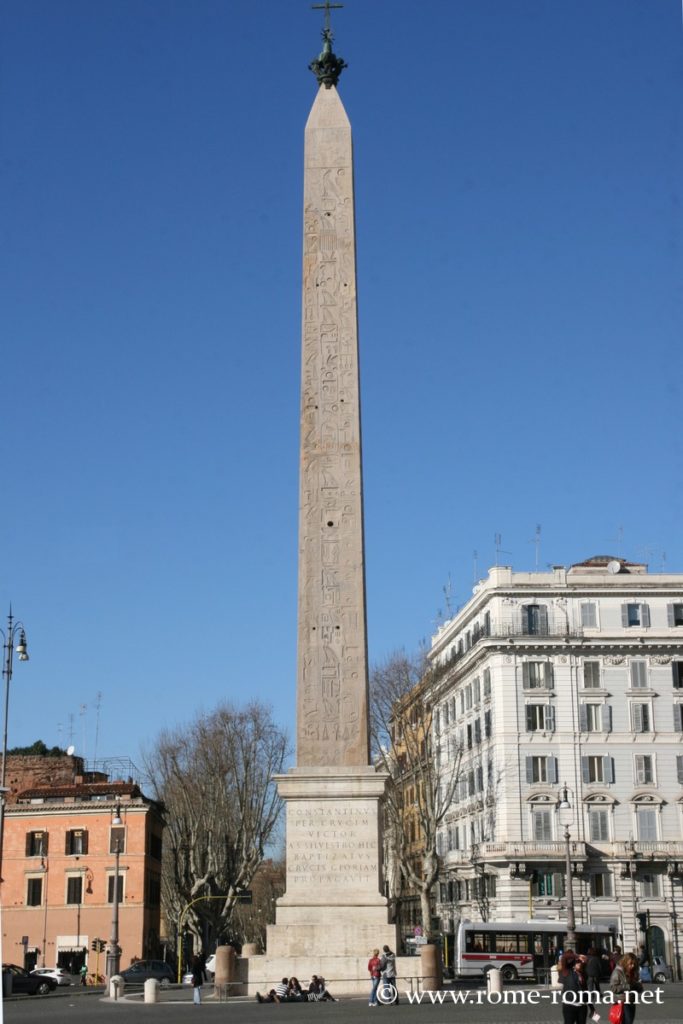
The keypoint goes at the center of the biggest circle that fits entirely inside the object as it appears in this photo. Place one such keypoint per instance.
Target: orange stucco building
(59, 865)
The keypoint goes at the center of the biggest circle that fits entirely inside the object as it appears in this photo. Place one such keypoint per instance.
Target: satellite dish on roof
(70, 750)
(614, 567)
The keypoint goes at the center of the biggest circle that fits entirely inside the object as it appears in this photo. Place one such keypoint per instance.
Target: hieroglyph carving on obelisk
(332, 685)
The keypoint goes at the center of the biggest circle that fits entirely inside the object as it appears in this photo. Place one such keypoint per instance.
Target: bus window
(478, 942)
(507, 943)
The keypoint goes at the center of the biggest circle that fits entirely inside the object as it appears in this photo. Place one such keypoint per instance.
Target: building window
(153, 891)
(649, 886)
(34, 892)
(601, 884)
(117, 839)
(155, 846)
(487, 682)
(639, 675)
(675, 614)
(590, 717)
(644, 769)
(635, 615)
(487, 724)
(544, 883)
(76, 842)
(541, 769)
(677, 669)
(678, 717)
(679, 769)
(591, 675)
(36, 844)
(537, 675)
(599, 825)
(74, 889)
(110, 888)
(646, 818)
(640, 717)
(542, 821)
(535, 620)
(540, 717)
(597, 768)
(476, 690)
(589, 615)
(477, 730)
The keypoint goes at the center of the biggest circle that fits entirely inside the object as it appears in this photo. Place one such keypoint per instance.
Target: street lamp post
(564, 805)
(14, 630)
(113, 949)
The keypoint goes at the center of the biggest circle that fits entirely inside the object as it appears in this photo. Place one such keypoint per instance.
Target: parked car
(27, 983)
(139, 972)
(660, 970)
(61, 976)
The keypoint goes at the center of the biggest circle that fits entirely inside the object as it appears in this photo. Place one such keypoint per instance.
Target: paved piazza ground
(176, 1005)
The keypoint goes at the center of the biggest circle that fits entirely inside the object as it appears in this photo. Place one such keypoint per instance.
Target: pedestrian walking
(625, 982)
(388, 969)
(573, 987)
(84, 974)
(593, 972)
(375, 969)
(198, 978)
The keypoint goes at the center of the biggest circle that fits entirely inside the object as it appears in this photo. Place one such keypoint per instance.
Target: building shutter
(645, 615)
(678, 717)
(530, 769)
(542, 620)
(85, 841)
(525, 675)
(29, 840)
(477, 730)
(606, 715)
(638, 675)
(585, 770)
(637, 713)
(530, 717)
(624, 615)
(549, 676)
(552, 770)
(679, 768)
(607, 769)
(670, 618)
(583, 718)
(67, 842)
(550, 717)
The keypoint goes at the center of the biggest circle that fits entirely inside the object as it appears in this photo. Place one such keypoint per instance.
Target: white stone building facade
(566, 678)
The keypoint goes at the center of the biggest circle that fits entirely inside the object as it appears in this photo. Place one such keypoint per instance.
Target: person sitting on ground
(319, 991)
(276, 995)
(295, 993)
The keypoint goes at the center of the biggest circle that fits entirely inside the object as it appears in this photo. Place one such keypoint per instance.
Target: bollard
(151, 990)
(226, 972)
(430, 964)
(116, 986)
(494, 980)
(555, 977)
(6, 983)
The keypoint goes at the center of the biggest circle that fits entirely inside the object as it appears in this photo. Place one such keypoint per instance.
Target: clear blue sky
(519, 166)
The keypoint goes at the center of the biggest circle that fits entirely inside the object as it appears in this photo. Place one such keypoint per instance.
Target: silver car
(58, 974)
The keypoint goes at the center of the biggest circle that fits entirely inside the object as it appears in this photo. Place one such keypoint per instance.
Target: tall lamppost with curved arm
(565, 805)
(113, 962)
(14, 639)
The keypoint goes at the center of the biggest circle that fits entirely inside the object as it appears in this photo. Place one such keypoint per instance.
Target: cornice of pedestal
(331, 783)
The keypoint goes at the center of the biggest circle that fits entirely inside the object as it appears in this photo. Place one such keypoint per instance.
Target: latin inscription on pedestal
(332, 846)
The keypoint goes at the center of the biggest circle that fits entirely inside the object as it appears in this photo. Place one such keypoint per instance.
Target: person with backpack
(387, 966)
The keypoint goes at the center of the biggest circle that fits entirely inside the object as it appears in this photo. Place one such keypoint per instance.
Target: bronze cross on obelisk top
(326, 7)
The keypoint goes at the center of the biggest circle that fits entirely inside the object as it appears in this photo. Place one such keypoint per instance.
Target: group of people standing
(583, 974)
(382, 969)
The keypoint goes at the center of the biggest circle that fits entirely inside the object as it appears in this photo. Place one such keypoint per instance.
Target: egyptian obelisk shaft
(332, 685)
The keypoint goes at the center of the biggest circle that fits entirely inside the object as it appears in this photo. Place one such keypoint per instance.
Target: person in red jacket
(374, 967)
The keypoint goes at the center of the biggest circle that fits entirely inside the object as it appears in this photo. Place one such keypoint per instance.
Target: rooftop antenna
(82, 711)
(98, 705)
(498, 540)
(663, 565)
(447, 590)
(618, 540)
(71, 728)
(537, 542)
(475, 566)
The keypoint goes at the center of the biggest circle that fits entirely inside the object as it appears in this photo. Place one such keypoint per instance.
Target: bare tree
(422, 777)
(214, 777)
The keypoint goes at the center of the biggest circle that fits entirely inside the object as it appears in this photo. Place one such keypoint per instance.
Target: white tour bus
(519, 948)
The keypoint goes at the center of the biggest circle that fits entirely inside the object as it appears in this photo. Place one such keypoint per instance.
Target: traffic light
(95, 945)
(642, 921)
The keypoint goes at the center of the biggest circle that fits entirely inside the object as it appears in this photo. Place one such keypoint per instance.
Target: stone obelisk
(333, 912)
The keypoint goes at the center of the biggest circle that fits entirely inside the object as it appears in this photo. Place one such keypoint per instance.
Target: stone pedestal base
(333, 907)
